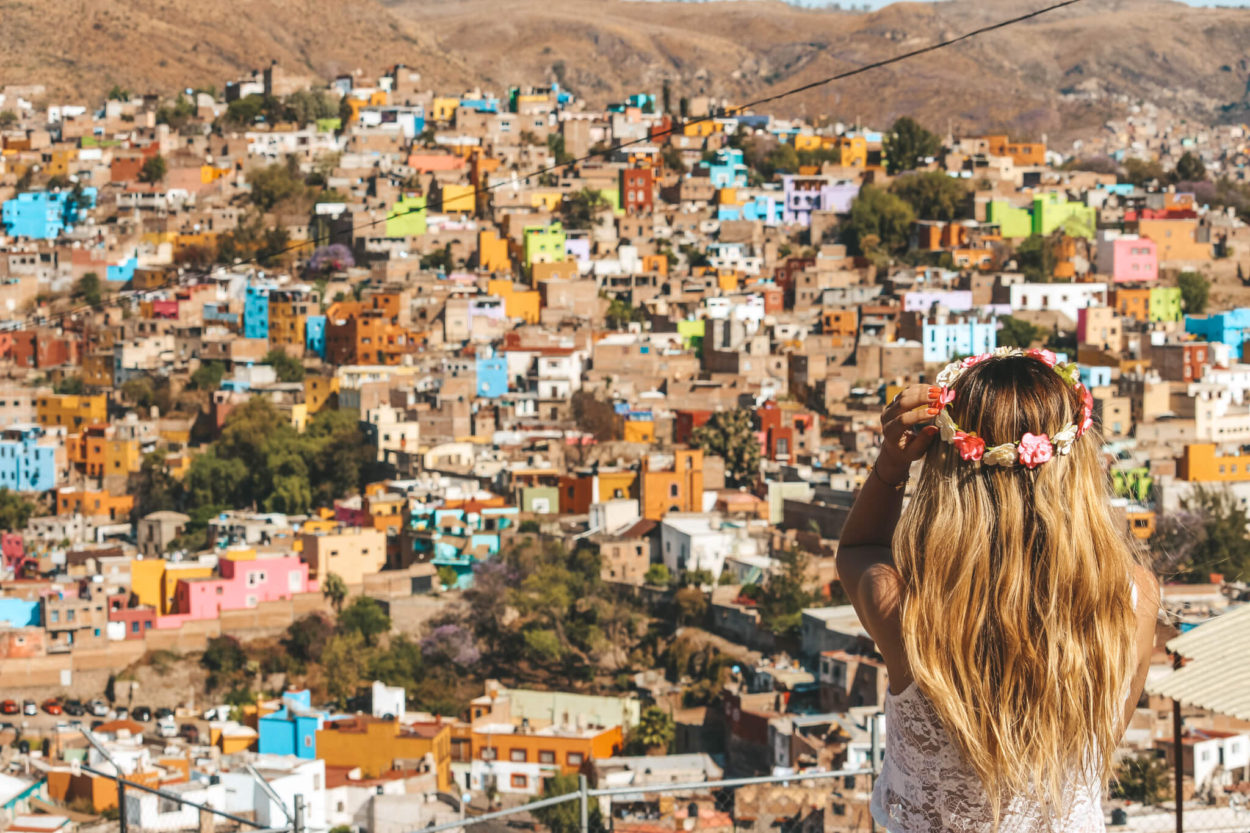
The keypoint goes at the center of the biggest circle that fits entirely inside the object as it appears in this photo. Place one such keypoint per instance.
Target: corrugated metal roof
(1216, 675)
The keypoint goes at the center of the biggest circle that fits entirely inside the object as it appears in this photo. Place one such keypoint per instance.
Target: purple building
(804, 194)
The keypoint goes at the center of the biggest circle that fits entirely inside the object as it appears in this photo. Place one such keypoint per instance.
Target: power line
(650, 137)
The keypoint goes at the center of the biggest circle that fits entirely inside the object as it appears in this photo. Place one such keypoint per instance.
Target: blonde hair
(1017, 617)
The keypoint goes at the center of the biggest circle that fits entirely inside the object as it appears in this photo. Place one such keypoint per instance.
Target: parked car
(75, 708)
(190, 731)
(121, 713)
(30, 708)
(53, 706)
(141, 713)
(98, 708)
(10, 707)
(163, 713)
(217, 713)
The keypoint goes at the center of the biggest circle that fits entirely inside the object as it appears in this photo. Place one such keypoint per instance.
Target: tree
(565, 817)
(153, 169)
(653, 735)
(88, 289)
(71, 385)
(288, 368)
(334, 589)
(582, 208)
(224, 658)
(345, 663)
(673, 160)
(593, 415)
(155, 488)
(208, 376)
(1194, 292)
(306, 637)
(7, 119)
(332, 258)
(933, 195)
(785, 594)
(1035, 257)
(621, 313)
(139, 392)
(451, 643)
(274, 183)
(690, 605)
(1189, 168)
(1207, 536)
(1143, 172)
(15, 511)
(657, 575)
(1144, 778)
(117, 93)
(907, 145)
(879, 221)
(363, 615)
(447, 576)
(730, 435)
(1015, 332)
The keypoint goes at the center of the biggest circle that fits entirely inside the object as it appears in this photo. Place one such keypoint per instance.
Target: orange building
(288, 317)
(1021, 153)
(64, 785)
(677, 490)
(1199, 462)
(1131, 303)
(566, 748)
(365, 333)
(70, 410)
(839, 321)
(1175, 238)
(492, 252)
(94, 504)
(379, 746)
(517, 303)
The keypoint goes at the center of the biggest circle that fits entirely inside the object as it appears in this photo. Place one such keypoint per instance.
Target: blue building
(728, 169)
(763, 208)
(1228, 328)
(315, 335)
(292, 729)
(27, 460)
(492, 377)
(481, 105)
(1094, 375)
(256, 311)
(19, 613)
(43, 215)
(943, 342)
(123, 272)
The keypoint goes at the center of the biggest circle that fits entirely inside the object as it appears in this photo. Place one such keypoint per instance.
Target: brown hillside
(1067, 69)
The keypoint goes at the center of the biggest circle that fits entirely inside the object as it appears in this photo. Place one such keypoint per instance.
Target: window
(517, 756)
(575, 759)
(489, 753)
(672, 490)
(519, 781)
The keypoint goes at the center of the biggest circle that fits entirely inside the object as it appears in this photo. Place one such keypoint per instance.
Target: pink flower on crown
(946, 397)
(1035, 449)
(970, 361)
(1087, 407)
(1045, 355)
(969, 447)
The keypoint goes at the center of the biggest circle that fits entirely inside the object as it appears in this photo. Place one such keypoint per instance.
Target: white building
(288, 776)
(702, 541)
(392, 432)
(387, 700)
(1065, 298)
(153, 812)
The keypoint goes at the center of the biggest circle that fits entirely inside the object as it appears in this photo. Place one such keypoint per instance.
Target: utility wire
(650, 137)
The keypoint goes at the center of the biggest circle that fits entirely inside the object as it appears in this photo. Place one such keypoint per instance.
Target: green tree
(1035, 257)
(15, 510)
(1210, 538)
(657, 575)
(287, 367)
(785, 594)
(71, 385)
(1143, 778)
(140, 392)
(345, 661)
(1015, 332)
(555, 146)
(1189, 168)
(907, 145)
(334, 589)
(1194, 292)
(178, 115)
(363, 615)
(306, 637)
(653, 735)
(690, 605)
(208, 376)
(88, 289)
(275, 183)
(621, 313)
(933, 195)
(447, 576)
(117, 93)
(1143, 172)
(7, 119)
(581, 209)
(879, 221)
(730, 435)
(225, 659)
(543, 645)
(673, 160)
(304, 106)
(782, 159)
(154, 488)
(153, 169)
(566, 816)
(400, 664)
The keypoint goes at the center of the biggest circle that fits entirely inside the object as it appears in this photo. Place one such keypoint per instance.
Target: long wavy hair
(1017, 616)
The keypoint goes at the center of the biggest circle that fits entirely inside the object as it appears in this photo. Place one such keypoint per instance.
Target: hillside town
(421, 454)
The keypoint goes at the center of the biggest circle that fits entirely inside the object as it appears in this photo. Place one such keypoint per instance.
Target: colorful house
(407, 217)
(1127, 258)
(375, 745)
(492, 376)
(1229, 328)
(728, 169)
(256, 311)
(1054, 211)
(679, 489)
(944, 341)
(245, 581)
(802, 195)
(544, 244)
(315, 335)
(43, 215)
(27, 460)
(291, 728)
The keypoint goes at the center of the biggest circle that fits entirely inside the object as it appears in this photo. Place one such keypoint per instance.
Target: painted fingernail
(934, 393)
(932, 410)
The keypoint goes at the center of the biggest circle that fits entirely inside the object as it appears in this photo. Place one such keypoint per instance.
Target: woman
(1013, 617)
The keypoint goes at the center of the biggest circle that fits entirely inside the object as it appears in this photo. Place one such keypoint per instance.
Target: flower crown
(1033, 449)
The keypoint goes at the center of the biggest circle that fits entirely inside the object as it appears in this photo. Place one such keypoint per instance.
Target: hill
(1058, 73)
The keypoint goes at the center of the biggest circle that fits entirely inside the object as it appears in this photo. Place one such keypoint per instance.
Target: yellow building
(376, 745)
(639, 431)
(70, 410)
(492, 252)
(547, 200)
(523, 304)
(807, 141)
(458, 198)
(443, 108)
(318, 391)
(351, 553)
(174, 572)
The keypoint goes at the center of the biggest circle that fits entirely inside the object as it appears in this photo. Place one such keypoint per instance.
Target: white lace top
(924, 786)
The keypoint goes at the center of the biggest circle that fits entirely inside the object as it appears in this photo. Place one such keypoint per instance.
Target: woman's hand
(905, 438)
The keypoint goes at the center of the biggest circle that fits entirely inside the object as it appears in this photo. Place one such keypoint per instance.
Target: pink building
(246, 580)
(13, 549)
(1127, 258)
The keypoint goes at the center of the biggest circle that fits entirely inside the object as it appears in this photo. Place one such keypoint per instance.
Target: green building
(1165, 303)
(1011, 221)
(544, 244)
(406, 217)
(1053, 211)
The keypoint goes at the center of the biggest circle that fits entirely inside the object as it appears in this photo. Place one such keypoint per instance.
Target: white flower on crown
(1008, 351)
(1064, 439)
(1000, 455)
(949, 374)
(946, 425)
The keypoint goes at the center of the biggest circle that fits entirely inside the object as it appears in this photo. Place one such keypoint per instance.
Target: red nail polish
(933, 411)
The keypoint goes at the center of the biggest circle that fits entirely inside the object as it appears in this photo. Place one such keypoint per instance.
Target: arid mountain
(1061, 72)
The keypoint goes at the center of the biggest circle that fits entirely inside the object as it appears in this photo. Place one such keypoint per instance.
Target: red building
(42, 348)
(637, 190)
(685, 422)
